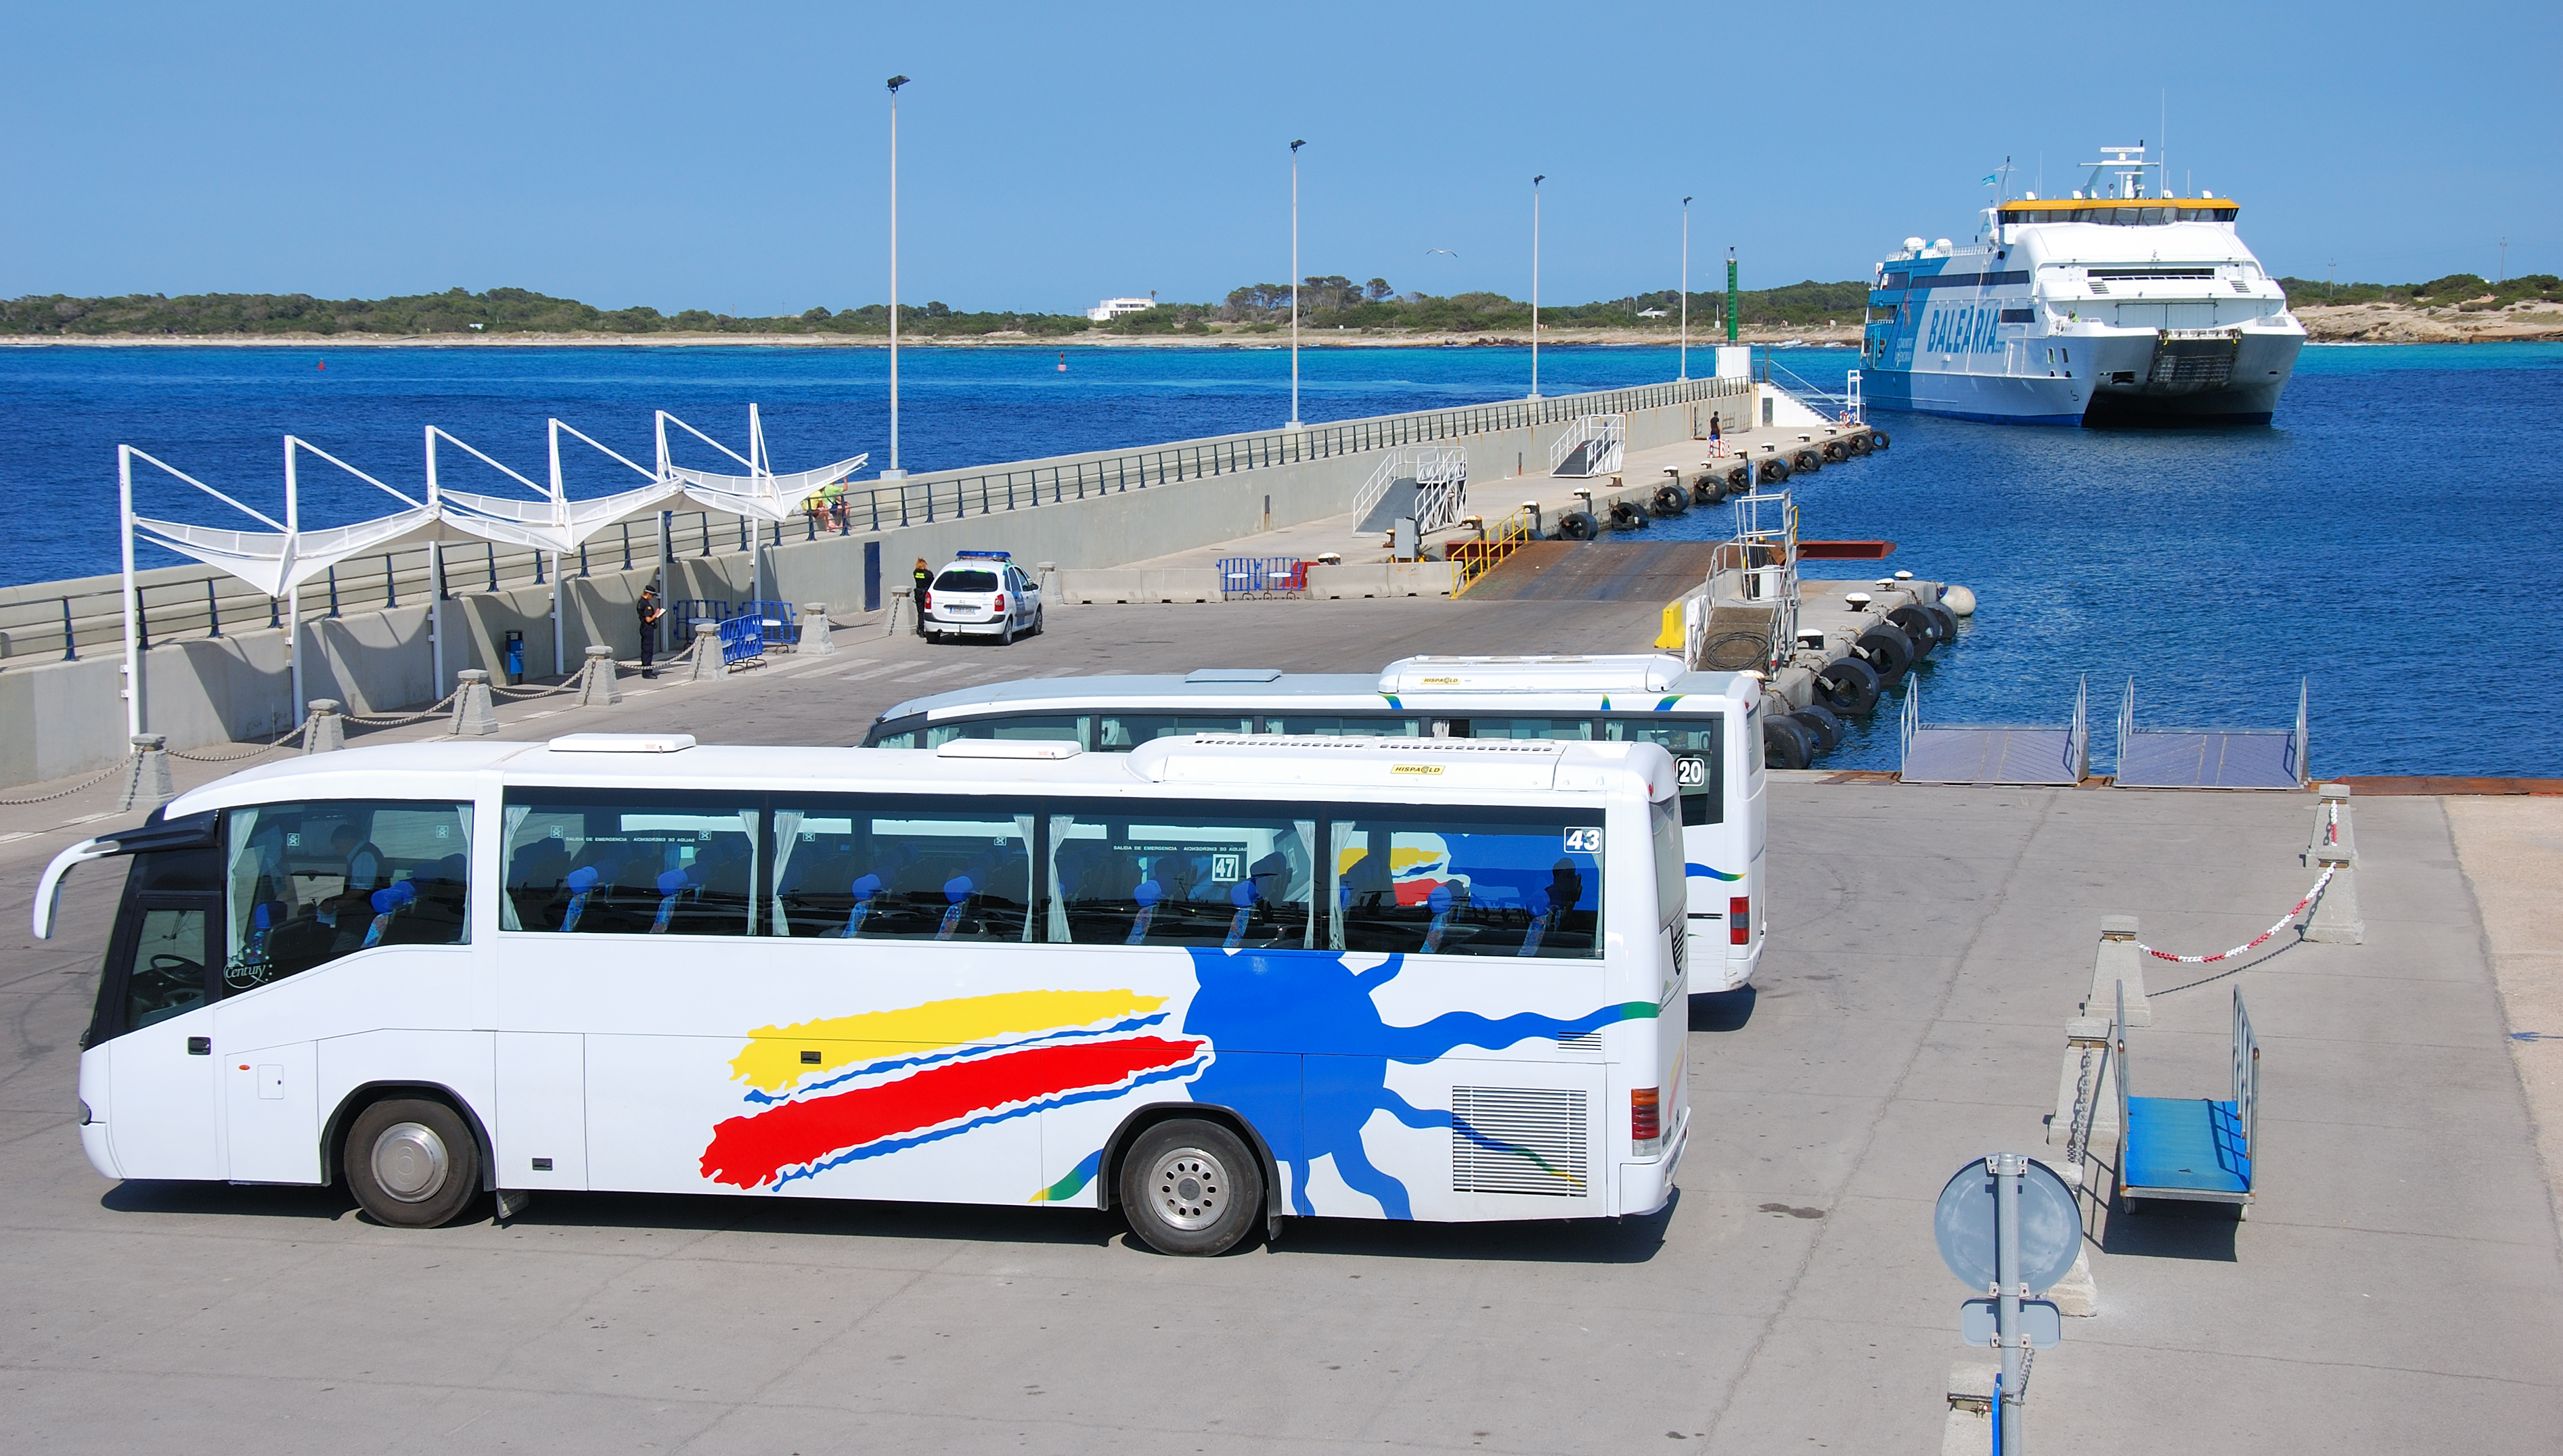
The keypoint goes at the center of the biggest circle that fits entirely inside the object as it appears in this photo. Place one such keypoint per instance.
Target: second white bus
(1711, 722)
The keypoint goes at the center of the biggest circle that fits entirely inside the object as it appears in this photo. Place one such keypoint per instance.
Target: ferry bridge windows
(2019, 315)
(629, 863)
(902, 870)
(1464, 882)
(306, 883)
(1237, 882)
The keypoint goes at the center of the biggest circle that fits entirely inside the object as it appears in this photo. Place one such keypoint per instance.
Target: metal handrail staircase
(1593, 446)
(1477, 558)
(1751, 593)
(1441, 477)
(1843, 404)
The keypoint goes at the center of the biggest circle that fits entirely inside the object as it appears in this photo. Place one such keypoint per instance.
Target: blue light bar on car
(988, 555)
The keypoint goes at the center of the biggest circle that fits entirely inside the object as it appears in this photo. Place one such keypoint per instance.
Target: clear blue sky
(735, 157)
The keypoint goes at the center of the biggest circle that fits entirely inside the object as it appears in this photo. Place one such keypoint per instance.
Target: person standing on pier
(650, 613)
(925, 575)
(1715, 443)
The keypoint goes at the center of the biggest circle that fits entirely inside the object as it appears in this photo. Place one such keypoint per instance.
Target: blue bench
(2196, 1149)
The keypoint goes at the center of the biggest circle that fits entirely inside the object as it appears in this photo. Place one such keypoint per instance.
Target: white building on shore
(1112, 309)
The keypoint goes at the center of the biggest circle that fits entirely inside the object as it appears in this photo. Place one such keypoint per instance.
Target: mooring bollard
(475, 714)
(814, 628)
(597, 684)
(146, 774)
(2119, 959)
(2335, 850)
(325, 731)
(897, 619)
(708, 653)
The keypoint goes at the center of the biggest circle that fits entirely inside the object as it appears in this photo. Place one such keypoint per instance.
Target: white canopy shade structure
(277, 561)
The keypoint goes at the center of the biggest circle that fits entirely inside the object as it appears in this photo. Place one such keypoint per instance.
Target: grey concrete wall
(59, 719)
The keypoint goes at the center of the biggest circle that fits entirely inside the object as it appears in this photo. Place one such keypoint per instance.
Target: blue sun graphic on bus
(1297, 998)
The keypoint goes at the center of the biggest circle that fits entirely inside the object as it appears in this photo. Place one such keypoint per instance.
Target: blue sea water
(2391, 539)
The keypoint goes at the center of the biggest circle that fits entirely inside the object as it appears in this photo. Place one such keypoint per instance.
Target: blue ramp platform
(2209, 758)
(1993, 754)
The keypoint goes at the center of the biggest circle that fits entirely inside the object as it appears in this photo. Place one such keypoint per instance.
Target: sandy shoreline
(2354, 324)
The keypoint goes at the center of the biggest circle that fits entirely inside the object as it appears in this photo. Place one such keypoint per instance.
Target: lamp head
(1686, 202)
(895, 82)
(1542, 177)
(1295, 146)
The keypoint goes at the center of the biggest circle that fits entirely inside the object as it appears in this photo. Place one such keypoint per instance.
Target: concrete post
(706, 656)
(814, 628)
(1968, 1430)
(899, 618)
(147, 773)
(598, 686)
(473, 713)
(2118, 959)
(324, 731)
(2335, 919)
(2331, 827)
(1049, 583)
(2075, 1295)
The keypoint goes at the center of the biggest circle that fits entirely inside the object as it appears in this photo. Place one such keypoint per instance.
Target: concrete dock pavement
(2398, 1287)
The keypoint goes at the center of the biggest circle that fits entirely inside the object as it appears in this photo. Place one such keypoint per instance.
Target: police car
(982, 594)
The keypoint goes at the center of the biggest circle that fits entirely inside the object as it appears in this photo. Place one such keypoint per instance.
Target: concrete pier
(1925, 944)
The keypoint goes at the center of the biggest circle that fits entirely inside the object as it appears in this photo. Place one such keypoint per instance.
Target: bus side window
(167, 977)
(1698, 747)
(1123, 732)
(629, 863)
(1238, 882)
(902, 870)
(306, 883)
(1484, 884)
(1038, 727)
(1334, 725)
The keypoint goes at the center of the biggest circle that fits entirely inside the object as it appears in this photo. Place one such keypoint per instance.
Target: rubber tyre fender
(1834, 453)
(1772, 470)
(1627, 517)
(411, 1162)
(1947, 619)
(1709, 489)
(1806, 463)
(1888, 650)
(1191, 1188)
(1822, 725)
(1877, 440)
(1578, 525)
(1671, 501)
(1919, 625)
(1858, 444)
(1850, 687)
(1739, 478)
(1786, 743)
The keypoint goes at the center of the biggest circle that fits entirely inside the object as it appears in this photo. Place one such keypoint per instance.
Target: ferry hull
(2122, 381)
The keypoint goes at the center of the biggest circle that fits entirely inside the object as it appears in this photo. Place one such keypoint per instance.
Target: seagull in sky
(1445, 252)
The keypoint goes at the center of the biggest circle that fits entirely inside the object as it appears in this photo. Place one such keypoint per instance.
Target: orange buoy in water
(1062, 361)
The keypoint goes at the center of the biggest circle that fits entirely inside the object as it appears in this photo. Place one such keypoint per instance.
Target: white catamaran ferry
(2117, 306)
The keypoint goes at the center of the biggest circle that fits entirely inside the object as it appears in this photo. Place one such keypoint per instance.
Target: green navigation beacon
(1730, 295)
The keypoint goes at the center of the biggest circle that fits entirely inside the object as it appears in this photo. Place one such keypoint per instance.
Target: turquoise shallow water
(2392, 537)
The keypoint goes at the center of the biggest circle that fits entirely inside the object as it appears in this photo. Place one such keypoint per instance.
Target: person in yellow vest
(924, 577)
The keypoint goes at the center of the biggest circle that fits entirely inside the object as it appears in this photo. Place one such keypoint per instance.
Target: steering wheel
(167, 981)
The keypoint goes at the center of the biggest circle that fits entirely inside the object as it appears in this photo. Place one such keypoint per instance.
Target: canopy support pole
(133, 655)
(294, 594)
(435, 578)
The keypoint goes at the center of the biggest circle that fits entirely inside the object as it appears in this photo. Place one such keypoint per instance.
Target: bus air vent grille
(1519, 1140)
(1581, 1041)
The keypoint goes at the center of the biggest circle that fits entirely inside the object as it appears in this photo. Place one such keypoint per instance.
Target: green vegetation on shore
(1326, 304)
(2466, 293)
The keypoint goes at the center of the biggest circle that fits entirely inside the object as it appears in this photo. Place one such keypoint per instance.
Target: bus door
(154, 1011)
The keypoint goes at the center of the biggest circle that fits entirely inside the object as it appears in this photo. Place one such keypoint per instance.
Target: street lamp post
(1534, 282)
(893, 473)
(1685, 290)
(1295, 282)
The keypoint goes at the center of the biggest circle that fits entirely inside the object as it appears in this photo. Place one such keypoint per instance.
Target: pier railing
(53, 621)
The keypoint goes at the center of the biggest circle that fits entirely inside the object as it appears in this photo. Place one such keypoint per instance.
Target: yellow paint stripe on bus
(772, 1060)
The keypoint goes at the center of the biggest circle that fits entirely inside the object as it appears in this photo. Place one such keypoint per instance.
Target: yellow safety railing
(1475, 557)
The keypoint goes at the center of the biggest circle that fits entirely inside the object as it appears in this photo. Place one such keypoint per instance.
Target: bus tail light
(1739, 920)
(1646, 1121)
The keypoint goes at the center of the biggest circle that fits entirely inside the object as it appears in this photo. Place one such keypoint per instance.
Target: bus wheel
(411, 1163)
(1191, 1188)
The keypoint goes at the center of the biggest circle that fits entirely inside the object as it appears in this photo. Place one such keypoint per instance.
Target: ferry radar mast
(2130, 173)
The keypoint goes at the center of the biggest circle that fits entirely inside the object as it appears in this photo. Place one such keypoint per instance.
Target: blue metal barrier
(1261, 576)
(741, 642)
(684, 611)
(778, 625)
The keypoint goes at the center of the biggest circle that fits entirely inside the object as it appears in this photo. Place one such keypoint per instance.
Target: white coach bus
(1212, 981)
(1710, 721)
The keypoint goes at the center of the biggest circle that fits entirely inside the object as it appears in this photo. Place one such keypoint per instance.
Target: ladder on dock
(1428, 483)
(1593, 446)
(2209, 758)
(1977, 753)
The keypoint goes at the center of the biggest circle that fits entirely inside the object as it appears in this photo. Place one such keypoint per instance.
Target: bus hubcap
(409, 1162)
(1191, 1188)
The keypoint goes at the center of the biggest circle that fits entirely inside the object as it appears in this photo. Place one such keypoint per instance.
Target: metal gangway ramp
(2209, 758)
(1995, 753)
